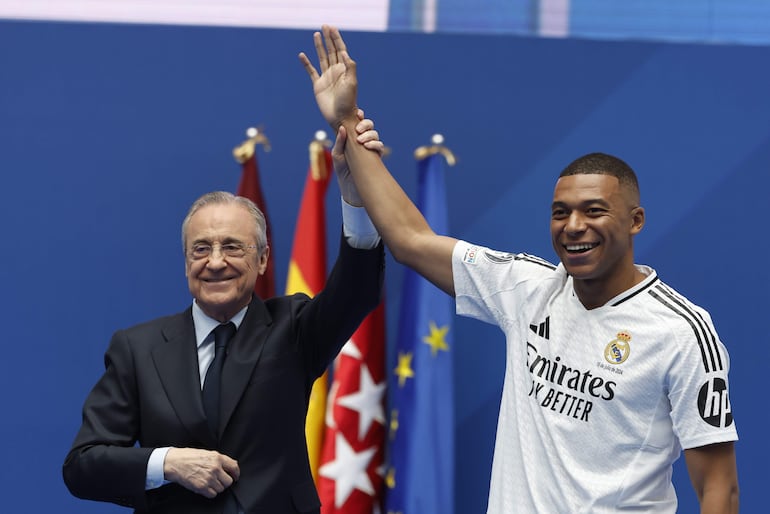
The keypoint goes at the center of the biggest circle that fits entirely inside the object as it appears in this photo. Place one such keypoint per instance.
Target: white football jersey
(597, 404)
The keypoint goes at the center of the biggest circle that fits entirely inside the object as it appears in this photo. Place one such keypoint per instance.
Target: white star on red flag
(367, 401)
(348, 470)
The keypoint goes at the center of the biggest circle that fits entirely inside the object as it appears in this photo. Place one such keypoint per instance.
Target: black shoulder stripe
(697, 334)
(703, 334)
(711, 339)
(534, 260)
(640, 290)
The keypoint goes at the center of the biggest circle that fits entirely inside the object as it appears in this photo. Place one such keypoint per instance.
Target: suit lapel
(243, 354)
(177, 365)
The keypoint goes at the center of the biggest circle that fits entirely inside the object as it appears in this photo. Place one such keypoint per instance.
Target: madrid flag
(350, 479)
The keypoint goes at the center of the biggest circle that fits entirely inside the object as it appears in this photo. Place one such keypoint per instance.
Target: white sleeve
(699, 387)
(492, 286)
(155, 477)
(358, 227)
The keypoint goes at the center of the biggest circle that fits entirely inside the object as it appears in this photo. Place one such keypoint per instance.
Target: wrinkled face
(593, 221)
(221, 284)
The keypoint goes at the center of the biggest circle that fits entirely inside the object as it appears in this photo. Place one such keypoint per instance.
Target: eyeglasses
(204, 250)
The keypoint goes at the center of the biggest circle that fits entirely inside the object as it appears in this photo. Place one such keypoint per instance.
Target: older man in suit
(147, 440)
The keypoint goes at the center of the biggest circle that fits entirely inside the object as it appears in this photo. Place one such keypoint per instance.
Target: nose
(575, 223)
(216, 260)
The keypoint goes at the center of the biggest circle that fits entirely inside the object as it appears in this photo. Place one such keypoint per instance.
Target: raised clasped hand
(335, 88)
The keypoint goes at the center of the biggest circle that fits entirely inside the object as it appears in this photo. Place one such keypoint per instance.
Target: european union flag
(420, 474)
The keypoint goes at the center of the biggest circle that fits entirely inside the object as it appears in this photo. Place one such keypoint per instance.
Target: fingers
(377, 146)
(342, 136)
(328, 55)
(342, 51)
(218, 483)
(323, 57)
(366, 135)
(221, 475)
(369, 135)
(364, 125)
(230, 466)
(339, 143)
(311, 71)
(320, 51)
(365, 131)
(323, 60)
(205, 472)
(331, 50)
(336, 51)
(333, 34)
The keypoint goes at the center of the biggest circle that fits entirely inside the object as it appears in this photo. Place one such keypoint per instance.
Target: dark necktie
(211, 384)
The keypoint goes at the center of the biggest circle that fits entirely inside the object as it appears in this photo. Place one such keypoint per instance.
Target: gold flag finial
(424, 152)
(244, 151)
(316, 148)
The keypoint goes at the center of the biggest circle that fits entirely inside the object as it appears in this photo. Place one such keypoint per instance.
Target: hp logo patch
(714, 403)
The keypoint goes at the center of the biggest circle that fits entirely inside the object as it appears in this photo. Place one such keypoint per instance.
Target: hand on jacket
(205, 472)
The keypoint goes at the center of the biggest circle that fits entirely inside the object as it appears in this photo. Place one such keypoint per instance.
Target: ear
(637, 220)
(262, 261)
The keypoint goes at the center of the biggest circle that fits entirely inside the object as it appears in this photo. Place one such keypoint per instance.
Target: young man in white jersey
(610, 373)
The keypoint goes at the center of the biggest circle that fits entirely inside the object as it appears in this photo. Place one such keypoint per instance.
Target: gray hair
(226, 198)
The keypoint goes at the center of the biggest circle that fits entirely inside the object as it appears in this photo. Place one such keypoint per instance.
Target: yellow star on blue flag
(436, 339)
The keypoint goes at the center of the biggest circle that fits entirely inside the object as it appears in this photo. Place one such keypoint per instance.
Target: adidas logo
(542, 329)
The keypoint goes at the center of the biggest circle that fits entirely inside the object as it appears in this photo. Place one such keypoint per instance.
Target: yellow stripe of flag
(307, 274)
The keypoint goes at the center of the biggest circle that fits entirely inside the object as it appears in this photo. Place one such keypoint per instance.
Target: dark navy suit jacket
(150, 397)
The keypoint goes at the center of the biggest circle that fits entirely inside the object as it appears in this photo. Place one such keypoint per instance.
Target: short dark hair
(604, 164)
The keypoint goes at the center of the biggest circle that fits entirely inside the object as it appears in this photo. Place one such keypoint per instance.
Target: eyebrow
(583, 203)
(224, 241)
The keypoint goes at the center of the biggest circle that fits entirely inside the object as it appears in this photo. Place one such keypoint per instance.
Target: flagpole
(317, 146)
(245, 150)
(437, 147)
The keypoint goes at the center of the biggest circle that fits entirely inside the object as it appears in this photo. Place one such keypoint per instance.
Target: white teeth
(579, 247)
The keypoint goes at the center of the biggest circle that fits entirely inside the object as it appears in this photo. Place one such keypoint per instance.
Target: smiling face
(223, 285)
(593, 220)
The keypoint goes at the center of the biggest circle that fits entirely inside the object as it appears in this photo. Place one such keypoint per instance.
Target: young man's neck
(594, 293)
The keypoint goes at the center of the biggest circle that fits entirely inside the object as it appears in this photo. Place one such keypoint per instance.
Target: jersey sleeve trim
(710, 355)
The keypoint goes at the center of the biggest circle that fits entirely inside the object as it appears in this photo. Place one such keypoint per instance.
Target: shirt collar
(204, 324)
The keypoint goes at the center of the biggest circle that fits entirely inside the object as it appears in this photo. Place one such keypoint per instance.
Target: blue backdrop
(109, 132)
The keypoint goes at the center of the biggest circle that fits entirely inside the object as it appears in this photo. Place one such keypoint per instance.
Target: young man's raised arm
(401, 225)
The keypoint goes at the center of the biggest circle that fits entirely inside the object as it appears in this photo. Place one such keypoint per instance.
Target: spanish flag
(307, 274)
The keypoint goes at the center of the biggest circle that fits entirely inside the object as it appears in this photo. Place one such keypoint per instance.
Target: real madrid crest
(617, 351)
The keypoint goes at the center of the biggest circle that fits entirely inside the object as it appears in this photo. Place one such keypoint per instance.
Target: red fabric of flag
(350, 478)
(249, 187)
